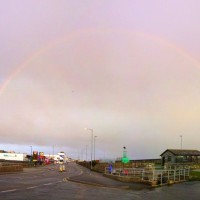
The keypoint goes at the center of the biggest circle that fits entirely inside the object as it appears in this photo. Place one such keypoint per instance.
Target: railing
(136, 172)
(166, 176)
(160, 177)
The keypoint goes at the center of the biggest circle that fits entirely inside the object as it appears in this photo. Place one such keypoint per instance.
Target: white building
(59, 157)
(13, 156)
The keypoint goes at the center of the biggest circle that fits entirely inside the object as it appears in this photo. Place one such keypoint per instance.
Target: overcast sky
(128, 69)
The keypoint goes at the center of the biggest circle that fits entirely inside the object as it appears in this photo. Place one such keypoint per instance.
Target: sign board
(35, 156)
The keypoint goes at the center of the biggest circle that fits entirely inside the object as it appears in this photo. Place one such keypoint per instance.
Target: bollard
(60, 168)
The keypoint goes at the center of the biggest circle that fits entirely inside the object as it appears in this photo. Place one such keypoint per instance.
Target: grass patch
(194, 176)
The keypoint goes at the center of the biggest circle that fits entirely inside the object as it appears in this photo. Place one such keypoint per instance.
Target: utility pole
(181, 136)
(91, 130)
(31, 151)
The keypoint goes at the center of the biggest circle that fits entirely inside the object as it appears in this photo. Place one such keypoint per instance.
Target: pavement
(98, 179)
(88, 177)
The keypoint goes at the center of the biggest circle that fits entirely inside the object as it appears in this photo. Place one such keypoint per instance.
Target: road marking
(65, 179)
(9, 190)
(80, 172)
(32, 187)
(48, 183)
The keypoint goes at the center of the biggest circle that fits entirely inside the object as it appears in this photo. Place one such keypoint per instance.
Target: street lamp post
(53, 152)
(31, 150)
(54, 146)
(91, 130)
(94, 145)
(86, 153)
(31, 154)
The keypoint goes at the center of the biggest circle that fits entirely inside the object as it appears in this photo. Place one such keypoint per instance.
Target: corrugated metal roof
(183, 152)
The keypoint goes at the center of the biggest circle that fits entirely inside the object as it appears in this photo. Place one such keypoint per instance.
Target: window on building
(169, 159)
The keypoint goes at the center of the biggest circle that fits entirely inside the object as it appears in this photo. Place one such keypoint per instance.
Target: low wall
(11, 168)
(100, 167)
(25, 164)
(124, 178)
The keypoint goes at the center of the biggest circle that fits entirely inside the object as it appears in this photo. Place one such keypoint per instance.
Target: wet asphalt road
(79, 183)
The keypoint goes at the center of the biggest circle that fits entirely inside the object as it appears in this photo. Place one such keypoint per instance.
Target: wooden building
(180, 156)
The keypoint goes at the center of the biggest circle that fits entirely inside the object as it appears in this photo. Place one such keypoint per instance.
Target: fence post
(143, 174)
(174, 175)
(184, 174)
(153, 178)
(168, 175)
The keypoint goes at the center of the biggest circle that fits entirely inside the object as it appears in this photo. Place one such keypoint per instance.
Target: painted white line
(48, 183)
(80, 172)
(9, 190)
(59, 182)
(65, 179)
(32, 187)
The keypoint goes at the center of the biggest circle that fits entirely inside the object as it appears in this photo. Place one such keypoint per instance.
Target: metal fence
(165, 176)
(159, 176)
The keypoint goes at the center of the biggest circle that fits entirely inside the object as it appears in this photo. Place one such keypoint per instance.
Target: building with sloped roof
(180, 156)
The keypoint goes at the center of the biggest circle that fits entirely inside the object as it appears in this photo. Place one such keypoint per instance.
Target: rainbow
(73, 35)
